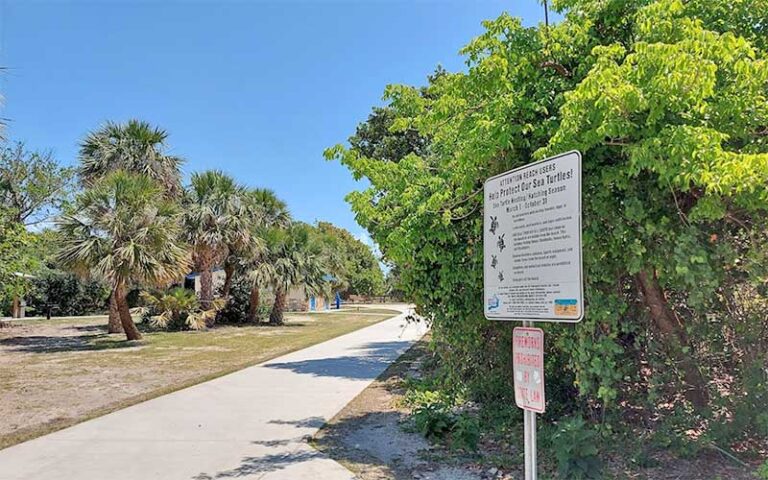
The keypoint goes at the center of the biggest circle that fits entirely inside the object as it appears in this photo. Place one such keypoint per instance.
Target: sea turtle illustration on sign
(494, 224)
(500, 242)
(494, 261)
(501, 276)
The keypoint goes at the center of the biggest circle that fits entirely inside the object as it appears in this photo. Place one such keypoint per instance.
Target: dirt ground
(55, 373)
(370, 438)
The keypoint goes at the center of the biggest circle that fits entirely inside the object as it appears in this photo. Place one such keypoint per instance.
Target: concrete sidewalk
(249, 424)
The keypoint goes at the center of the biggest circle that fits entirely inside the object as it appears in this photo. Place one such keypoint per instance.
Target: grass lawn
(56, 373)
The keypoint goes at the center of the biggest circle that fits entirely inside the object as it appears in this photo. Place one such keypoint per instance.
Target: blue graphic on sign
(494, 303)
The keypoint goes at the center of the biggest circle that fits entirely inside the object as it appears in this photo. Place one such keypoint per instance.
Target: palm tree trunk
(253, 305)
(276, 315)
(114, 325)
(229, 272)
(131, 332)
(675, 339)
(206, 285)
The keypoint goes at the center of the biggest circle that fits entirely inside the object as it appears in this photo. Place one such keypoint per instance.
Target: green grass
(65, 377)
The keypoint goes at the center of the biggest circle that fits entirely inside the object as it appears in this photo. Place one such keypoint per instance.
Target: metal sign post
(532, 269)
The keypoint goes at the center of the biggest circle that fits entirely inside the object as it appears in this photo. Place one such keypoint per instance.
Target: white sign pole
(529, 435)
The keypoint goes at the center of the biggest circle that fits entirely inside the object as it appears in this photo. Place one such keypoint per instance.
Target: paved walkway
(249, 424)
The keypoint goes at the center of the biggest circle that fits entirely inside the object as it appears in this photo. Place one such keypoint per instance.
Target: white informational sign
(532, 242)
(528, 365)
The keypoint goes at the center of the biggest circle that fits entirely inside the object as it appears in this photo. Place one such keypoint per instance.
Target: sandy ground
(369, 438)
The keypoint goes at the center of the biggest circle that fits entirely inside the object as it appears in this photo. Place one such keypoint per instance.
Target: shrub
(575, 446)
(762, 471)
(434, 421)
(236, 309)
(64, 294)
(177, 309)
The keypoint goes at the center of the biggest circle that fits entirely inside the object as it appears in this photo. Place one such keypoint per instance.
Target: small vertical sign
(528, 366)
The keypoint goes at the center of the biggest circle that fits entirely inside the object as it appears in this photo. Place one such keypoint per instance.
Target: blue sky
(257, 89)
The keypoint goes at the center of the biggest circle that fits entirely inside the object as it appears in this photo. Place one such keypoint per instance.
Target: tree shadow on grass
(369, 364)
(54, 344)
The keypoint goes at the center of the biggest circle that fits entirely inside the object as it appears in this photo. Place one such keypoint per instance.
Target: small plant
(433, 421)
(762, 471)
(177, 309)
(465, 432)
(575, 446)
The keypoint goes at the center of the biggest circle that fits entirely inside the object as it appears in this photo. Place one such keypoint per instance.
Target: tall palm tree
(215, 218)
(125, 229)
(263, 210)
(266, 211)
(293, 259)
(134, 146)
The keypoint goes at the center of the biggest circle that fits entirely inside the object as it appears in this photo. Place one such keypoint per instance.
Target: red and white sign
(528, 367)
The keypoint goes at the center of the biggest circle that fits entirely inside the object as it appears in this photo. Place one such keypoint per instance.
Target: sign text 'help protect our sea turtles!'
(532, 242)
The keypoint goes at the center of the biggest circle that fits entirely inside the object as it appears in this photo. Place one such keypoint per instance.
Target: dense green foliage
(33, 186)
(14, 260)
(354, 265)
(666, 100)
(53, 292)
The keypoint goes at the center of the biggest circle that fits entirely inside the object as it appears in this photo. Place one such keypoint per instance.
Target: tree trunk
(675, 338)
(253, 305)
(276, 315)
(229, 271)
(206, 287)
(131, 332)
(114, 325)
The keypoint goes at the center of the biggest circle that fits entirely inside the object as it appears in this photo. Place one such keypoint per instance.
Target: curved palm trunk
(114, 325)
(276, 315)
(675, 339)
(253, 305)
(131, 332)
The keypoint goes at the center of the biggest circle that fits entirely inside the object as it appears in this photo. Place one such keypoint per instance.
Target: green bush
(434, 421)
(762, 471)
(177, 309)
(236, 309)
(575, 447)
(64, 294)
(465, 432)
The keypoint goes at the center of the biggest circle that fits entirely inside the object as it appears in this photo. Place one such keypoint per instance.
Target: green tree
(125, 229)
(134, 146)
(14, 260)
(215, 219)
(667, 103)
(262, 210)
(33, 185)
(267, 212)
(353, 262)
(292, 259)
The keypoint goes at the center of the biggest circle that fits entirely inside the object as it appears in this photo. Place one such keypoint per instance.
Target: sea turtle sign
(532, 242)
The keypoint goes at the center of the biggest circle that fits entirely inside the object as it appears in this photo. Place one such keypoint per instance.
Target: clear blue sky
(257, 89)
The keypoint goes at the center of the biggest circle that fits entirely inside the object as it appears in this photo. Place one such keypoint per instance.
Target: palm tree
(125, 229)
(134, 146)
(266, 212)
(215, 218)
(293, 259)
